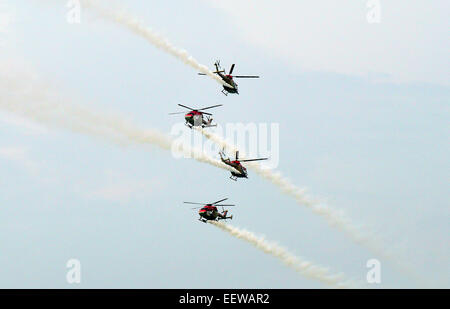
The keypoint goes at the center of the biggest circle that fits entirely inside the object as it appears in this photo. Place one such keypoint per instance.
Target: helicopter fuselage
(229, 80)
(209, 212)
(195, 119)
(241, 169)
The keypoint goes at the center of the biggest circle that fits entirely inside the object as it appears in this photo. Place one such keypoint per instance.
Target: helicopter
(231, 86)
(209, 212)
(194, 118)
(236, 164)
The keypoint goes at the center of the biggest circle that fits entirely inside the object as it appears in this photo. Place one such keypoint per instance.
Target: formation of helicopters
(200, 118)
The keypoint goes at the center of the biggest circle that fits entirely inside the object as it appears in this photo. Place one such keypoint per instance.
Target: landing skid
(233, 178)
(225, 92)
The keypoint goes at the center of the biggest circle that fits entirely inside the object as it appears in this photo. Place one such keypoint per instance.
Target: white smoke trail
(305, 268)
(137, 26)
(335, 218)
(23, 93)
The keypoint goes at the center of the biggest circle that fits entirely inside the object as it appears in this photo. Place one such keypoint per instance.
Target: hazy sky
(363, 116)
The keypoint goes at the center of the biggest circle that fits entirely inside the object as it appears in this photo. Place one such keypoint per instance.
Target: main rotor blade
(245, 76)
(195, 203)
(201, 73)
(254, 159)
(201, 109)
(176, 113)
(186, 107)
(227, 205)
(206, 113)
(219, 201)
(231, 69)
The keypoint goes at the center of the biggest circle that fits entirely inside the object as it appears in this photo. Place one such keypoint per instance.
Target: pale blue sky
(374, 142)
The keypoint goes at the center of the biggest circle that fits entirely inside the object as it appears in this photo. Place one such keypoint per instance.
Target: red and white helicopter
(209, 211)
(194, 118)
